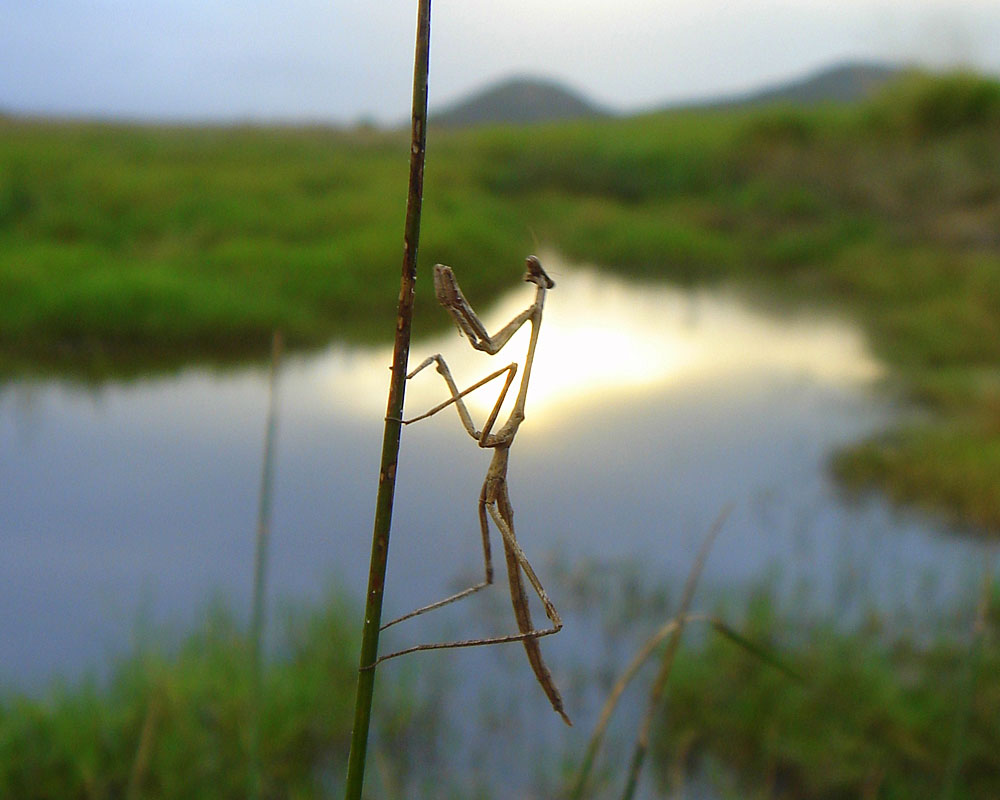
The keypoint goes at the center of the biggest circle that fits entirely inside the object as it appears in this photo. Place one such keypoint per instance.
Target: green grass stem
(964, 704)
(393, 415)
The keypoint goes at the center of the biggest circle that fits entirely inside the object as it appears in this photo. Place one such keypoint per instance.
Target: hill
(518, 100)
(842, 83)
(848, 82)
(526, 100)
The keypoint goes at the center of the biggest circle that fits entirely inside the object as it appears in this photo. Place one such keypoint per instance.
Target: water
(650, 410)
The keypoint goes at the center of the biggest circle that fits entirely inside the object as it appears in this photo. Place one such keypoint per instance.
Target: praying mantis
(494, 499)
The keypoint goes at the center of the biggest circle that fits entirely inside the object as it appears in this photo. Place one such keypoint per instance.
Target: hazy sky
(332, 60)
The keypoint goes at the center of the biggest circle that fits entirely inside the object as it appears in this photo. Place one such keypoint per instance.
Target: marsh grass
(869, 701)
(131, 248)
(171, 722)
(119, 238)
(877, 714)
(671, 631)
(206, 240)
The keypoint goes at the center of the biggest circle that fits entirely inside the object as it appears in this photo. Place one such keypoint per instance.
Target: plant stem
(393, 416)
(656, 693)
(960, 733)
(587, 766)
(260, 567)
(147, 735)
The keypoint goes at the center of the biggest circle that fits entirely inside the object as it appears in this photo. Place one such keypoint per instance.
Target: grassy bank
(174, 725)
(122, 246)
(173, 722)
(877, 713)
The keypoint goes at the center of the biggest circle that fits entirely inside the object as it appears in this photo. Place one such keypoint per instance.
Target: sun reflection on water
(603, 337)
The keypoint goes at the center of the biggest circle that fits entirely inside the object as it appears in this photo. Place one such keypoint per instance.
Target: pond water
(650, 410)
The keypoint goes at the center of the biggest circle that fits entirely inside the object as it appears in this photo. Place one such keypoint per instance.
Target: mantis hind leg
(494, 502)
(487, 565)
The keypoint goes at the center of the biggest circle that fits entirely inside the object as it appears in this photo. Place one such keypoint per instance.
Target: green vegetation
(121, 245)
(175, 724)
(124, 243)
(877, 714)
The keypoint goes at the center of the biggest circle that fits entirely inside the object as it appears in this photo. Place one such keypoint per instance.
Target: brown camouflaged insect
(494, 500)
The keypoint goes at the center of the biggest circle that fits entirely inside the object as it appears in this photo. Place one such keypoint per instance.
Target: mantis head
(535, 274)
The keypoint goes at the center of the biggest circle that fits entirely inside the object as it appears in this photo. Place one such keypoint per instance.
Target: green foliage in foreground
(125, 246)
(876, 716)
(176, 726)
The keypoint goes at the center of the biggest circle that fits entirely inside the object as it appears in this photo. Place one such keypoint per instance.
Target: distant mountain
(849, 82)
(523, 100)
(518, 100)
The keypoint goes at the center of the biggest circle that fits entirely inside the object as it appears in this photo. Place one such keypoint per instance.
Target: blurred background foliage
(128, 248)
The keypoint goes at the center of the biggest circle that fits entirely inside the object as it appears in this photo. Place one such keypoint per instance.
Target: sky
(340, 62)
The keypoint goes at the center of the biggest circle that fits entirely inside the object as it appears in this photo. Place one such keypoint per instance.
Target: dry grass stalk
(257, 619)
(673, 627)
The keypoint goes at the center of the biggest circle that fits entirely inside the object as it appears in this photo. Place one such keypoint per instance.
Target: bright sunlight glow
(603, 337)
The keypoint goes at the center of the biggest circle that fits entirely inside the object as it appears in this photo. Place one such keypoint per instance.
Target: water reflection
(650, 409)
(605, 339)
